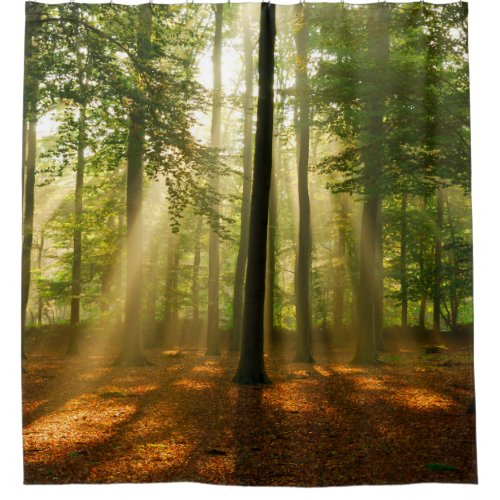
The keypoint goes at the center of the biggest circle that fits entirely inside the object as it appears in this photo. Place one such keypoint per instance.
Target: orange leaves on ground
(183, 420)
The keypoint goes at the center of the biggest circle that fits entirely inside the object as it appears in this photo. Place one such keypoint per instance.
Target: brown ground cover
(183, 419)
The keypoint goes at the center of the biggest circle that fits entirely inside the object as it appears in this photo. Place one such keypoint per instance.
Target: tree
(303, 264)
(131, 353)
(251, 368)
(241, 263)
(213, 348)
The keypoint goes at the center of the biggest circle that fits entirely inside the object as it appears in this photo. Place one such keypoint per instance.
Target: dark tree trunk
(378, 50)
(241, 263)
(303, 264)
(272, 231)
(76, 285)
(454, 298)
(438, 251)
(213, 348)
(251, 368)
(131, 354)
(403, 271)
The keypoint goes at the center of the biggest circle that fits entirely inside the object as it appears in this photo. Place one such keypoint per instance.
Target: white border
(484, 22)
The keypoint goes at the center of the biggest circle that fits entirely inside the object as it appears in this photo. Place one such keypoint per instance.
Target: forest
(247, 244)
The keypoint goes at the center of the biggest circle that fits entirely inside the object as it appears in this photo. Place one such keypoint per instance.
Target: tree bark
(378, 51)
(251, 369)
(303, 264)
(169, 312)
(239, 282)
(39, 264)
(213, 348)
(131, 354)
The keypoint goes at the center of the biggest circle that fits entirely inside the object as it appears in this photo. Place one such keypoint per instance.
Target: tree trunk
(76, 271)
(303, 265)
(213, 348)
(423, 283)
(340, 275)
(29, 208)
(404, 278)
(272, 231)
(152, 284)
(106, 282)
(131, 354)
(251, 369)
(241, 262)
(438, 251)
(378, 51)
(39, 264)
(195, 288)
(168, 327)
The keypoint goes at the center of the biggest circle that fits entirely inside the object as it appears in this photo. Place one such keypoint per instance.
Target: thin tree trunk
(454, 299)
(213, 348)
(303, 265)
(403, 270)
(152, 284)
(39, 264)
(76, 271)
(131, 354)
(239, 282)
(106, 282)
(166, 338)
(340, 275)
(251, 369)
(378, 51)
(195, 288)
(438, 251)
(29, 208)
(423, 284)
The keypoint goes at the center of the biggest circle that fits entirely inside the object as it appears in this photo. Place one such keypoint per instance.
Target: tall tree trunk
(403, 270)
(251, 369)
(303, 265)
(39, 264)
(241, 263)
(168, 327)
(340, 275)
(213, 348)
(150, 335)
(438, 251)
(272, 231)
(378, 51)
(195, 288)
(423, 283)
(29, 208)
(131, 354)
(454, 299)
(106, 278)
(76, 270)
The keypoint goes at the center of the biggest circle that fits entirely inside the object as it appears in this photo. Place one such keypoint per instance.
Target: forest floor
(182, 419)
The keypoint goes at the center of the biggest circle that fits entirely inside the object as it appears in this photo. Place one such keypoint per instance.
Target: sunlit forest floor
(182, 419)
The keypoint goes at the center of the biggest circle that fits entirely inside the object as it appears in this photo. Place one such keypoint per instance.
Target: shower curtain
(247, 244)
